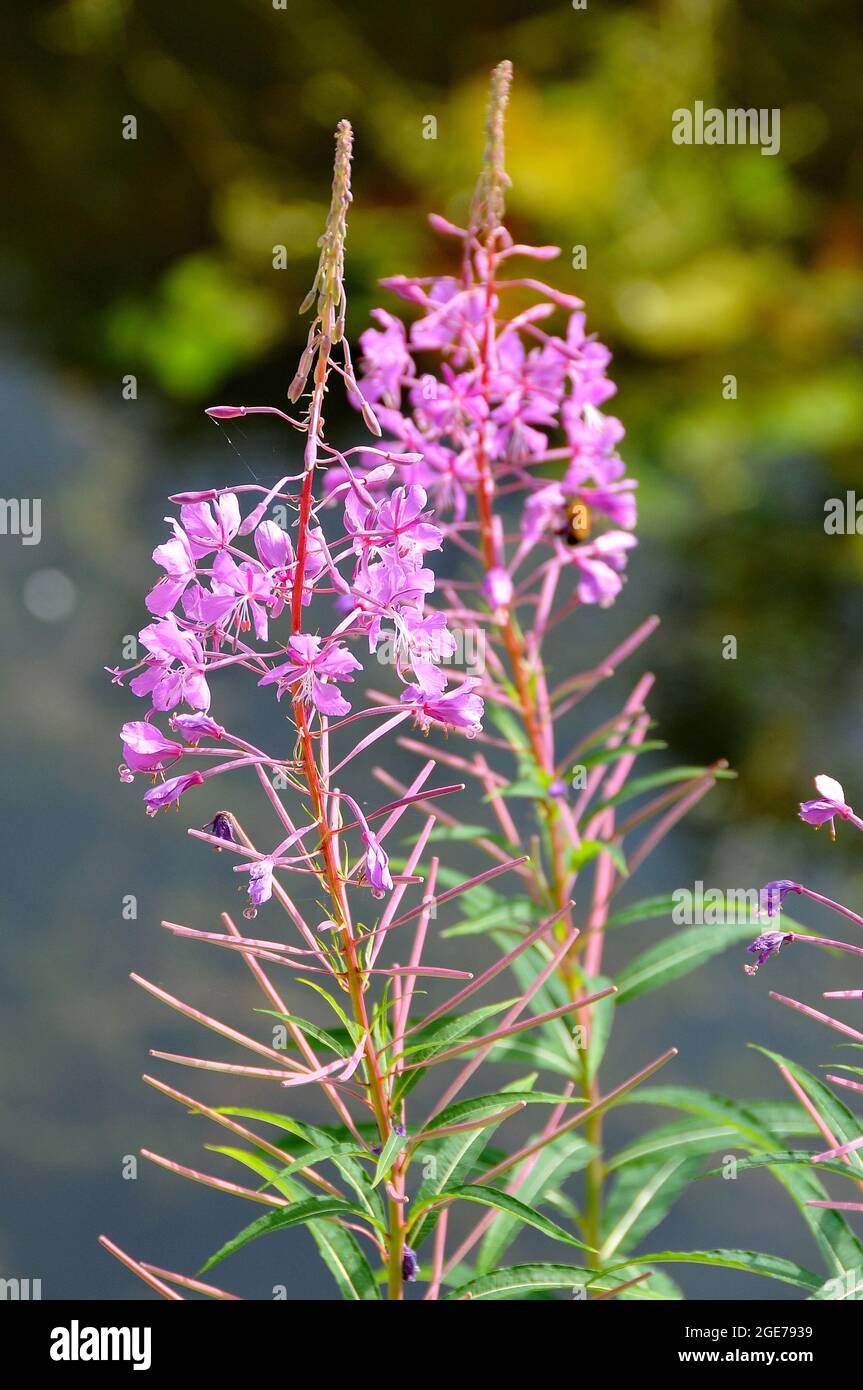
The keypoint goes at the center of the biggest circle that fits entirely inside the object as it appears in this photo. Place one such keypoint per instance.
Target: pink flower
(158, 798)
(312, 668)
(239, 598)
(498, 588)
(386, 360)
(194, 727)
(830, 803)
(458, 708)
(168, 684)
(178, 562)
(146, 749)
(211, 526)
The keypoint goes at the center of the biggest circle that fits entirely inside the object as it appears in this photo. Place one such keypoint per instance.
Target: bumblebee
(578, 525)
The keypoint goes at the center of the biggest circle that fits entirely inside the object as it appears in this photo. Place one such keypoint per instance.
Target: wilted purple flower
(767, 944)
(410, 1265)
(221, 826)
(377, 866)
(161, 796)
(261, 882)
(773, 895)
(310, 665)
(146, 749)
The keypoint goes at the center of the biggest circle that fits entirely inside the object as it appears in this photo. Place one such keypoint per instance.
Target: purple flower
(158, 798)
(457, 709)
(767, 944)
(398, 521)
(830, 803)
(312, 668)
(239, 598)
(377, 866)
(167, 684)
(211, 525)
(221, 826)
(385, 360)
(178, 562)
(194, 727)
(773, 895)
(261, 882)
(146, 749)
(410, 1265)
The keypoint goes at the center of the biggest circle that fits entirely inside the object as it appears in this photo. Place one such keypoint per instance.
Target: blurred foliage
(155, 256)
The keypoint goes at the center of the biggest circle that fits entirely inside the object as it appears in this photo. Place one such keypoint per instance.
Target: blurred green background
(154, 257)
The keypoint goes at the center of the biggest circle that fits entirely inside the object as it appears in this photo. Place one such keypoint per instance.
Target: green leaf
(642, 1196)
(588, 850)
(454, 1158)
(676, 956)
(351, 1170)
(552, 1165)
(645, 910)
(801, 1157)
(393, 1146)
(605, 756)
(311, 1209)
(502, 1201)
(840, 1120)
(509, 913)
(771, 1266)
(461, 1111)
(311, 1030)
(265, 1169)
(461, 832)
(846, 1286)
(341, 1253)
(660, 779)
(602, 1022)
(527, 1279)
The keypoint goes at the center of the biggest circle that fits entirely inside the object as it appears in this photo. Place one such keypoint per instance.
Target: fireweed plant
(501, 420)
(830, 1118)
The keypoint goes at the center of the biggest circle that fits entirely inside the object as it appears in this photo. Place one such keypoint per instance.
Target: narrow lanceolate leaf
(551, 1166)
(659, 779)
(530, 1279)
(454, 1157)
(841, 1287)
(800, 1157)
(645, 910)
(837, 1242)
(839, 1119)
(771, 1266)
(501, 1201)
(393, 1146)
(677, 956)
(300, 1214)
(341, 1253)
(642, 1197)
